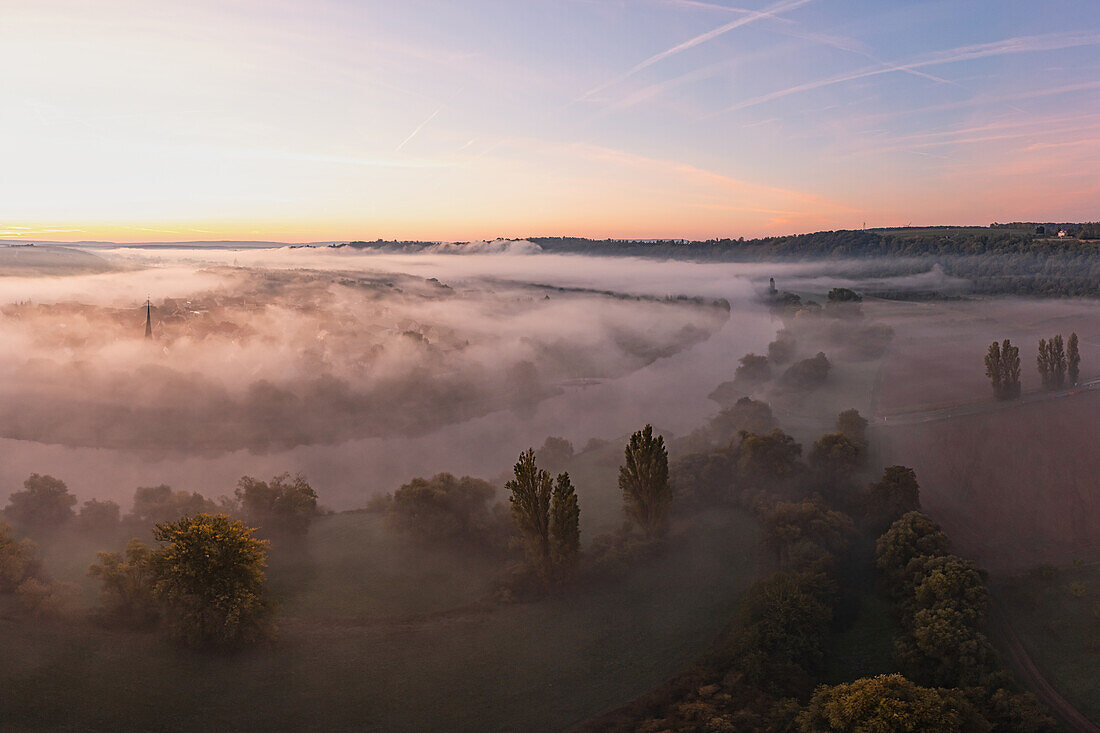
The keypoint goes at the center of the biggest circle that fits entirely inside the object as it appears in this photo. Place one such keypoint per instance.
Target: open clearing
(1058, 622)
(539, 666)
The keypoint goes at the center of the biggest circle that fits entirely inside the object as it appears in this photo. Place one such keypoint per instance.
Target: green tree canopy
(1073, 360)
(44, 504)
(210, 581)
(753, 369)
(892, 496)
(555, 453)
(449, 509)
(784, 624)
(853, 426)
(807, 374)
(836, 459)
(912, 536)
(530, 493)
(99, 516)
(283, 506)
(18, 560)
(643, 479)
(565, 530)
(154, 504)
(763, 461)
(886, 704)
(806, 534)
(127, 584)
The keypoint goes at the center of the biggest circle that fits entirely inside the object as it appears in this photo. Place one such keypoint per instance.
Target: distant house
(1062, 234)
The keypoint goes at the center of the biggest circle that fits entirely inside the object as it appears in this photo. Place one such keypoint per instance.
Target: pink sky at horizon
(356, 119)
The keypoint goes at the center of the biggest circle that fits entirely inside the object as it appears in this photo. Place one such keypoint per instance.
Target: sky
(320, 120)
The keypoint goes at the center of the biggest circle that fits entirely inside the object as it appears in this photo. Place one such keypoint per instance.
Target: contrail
(769, 12)
(417, 130)
(1023, 44)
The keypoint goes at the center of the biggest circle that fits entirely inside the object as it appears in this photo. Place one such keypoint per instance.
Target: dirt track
(1031, 675)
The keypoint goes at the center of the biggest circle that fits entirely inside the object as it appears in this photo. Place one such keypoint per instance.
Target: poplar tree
(1073, 357)
(530, 499)
(1043, 362)
(1053, 363)
(647, 494)
(565, 531)
(1010, 369)
(1058, 361)
(994, 369)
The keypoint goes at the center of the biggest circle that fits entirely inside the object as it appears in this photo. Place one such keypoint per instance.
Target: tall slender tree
(530, 499)
(1073, 359)
(565, 531)
(994, 369)
(1010, 369)
(647, 494)
(1058, 361)
(1043, 362)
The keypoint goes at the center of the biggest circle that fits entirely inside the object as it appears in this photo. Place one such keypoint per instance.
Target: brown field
(936, 357)
(1013, 488)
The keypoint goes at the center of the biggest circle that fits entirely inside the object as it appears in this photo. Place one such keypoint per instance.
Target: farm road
(962, 409)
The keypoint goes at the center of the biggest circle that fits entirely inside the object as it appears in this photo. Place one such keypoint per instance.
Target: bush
(127, 592)
(446, 509)
(46, 599)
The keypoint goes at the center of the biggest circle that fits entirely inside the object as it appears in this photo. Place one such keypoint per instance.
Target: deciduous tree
(892, 496)
(643, 479)
(530, 492)
(18, 560)
(210, 581)
(889, 703)
(1073, 360)
(284, 506)
(853, 426)
(44, 504)
(753, 369)
(910, 537)
(565, 530)
(127, 584)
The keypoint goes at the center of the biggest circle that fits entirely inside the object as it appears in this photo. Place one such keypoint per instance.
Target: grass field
(348, 656)
(1058, 622)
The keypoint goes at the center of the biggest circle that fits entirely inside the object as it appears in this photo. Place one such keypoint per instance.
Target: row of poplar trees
(1058, 362)
(548, 515)
(1002, 366)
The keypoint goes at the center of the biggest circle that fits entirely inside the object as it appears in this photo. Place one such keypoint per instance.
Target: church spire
(148, 319)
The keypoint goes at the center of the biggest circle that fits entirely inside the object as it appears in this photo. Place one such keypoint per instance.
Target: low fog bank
(351, 372)
(363, 369)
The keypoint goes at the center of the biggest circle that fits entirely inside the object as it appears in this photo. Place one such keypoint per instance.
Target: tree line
(1059, 364)
(995, 260)
(822, 528)
(203, 582)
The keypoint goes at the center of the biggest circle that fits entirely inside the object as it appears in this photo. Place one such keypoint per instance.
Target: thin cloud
(1022, 44)
(769, 12)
